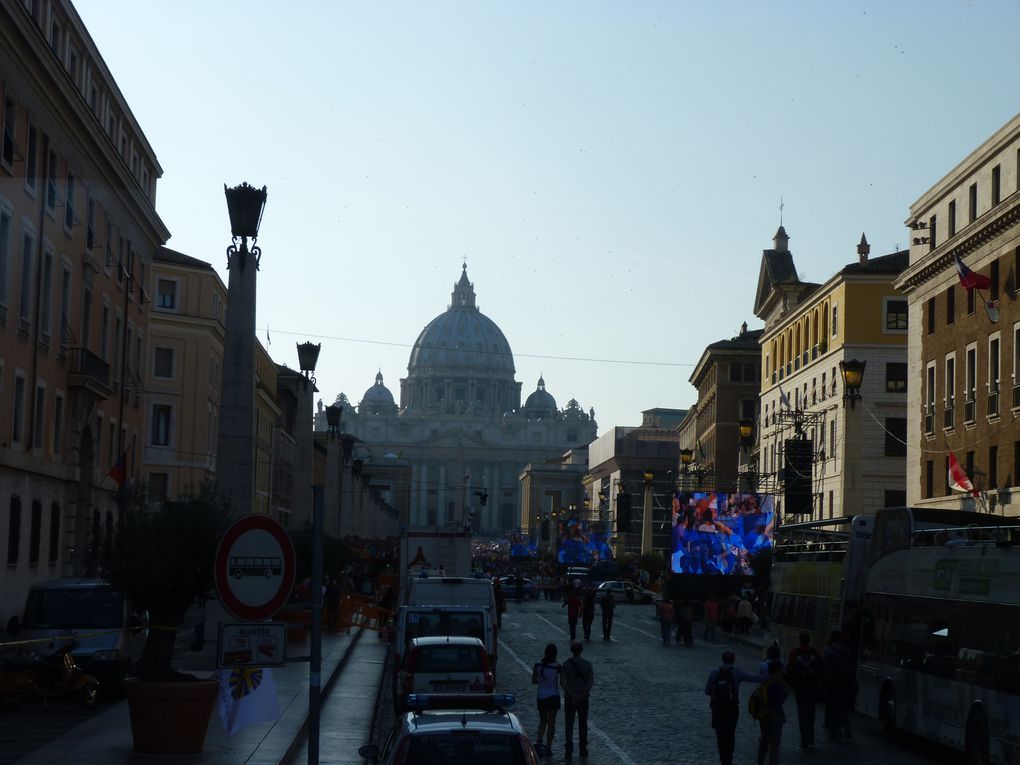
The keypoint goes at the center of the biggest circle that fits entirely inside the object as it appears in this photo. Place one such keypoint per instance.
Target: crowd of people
(808, 675)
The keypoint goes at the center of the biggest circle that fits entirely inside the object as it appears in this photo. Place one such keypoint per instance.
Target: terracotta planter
(170, 718)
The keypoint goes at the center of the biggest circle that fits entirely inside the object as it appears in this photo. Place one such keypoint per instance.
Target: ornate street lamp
(308, 357)
(245, 204)
(852, 371)
(746, 431)
(333, 412)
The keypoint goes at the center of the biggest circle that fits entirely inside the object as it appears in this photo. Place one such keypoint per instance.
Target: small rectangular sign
(252, 644)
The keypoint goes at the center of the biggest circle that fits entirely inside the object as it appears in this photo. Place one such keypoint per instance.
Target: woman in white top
(546, 674)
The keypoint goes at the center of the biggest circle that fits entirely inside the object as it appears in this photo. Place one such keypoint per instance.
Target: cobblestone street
(649, 706)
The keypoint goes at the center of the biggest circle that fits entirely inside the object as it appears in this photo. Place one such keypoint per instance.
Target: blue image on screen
(578, 543)
(715, 533)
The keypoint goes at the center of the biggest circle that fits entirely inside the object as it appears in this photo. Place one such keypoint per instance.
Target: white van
(450, 591)
(442, 621)
(110, 634)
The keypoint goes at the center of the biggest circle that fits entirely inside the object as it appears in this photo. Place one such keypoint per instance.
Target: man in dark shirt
(724, 700)
(577, 678)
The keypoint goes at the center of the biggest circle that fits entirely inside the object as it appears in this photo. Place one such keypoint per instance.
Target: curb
(302, 733)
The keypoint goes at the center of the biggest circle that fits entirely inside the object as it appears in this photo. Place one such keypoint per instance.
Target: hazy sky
(611, 171)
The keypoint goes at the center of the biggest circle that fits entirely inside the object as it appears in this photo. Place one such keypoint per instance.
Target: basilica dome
(462, 339)
(540, 403)
(377, 399)
(461, 362)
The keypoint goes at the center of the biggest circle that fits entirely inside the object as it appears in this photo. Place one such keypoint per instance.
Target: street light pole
(646, 517)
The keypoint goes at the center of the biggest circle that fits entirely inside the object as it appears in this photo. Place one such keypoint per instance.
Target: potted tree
(162, 560)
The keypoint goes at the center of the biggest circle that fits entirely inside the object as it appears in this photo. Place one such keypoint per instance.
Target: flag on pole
(970, 280)
(958, 480)
(701, 452)
(784, 397)
(119, 470)
(247, 697)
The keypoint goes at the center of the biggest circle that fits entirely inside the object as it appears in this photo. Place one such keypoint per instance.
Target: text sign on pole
(252, 645)
(255, 568)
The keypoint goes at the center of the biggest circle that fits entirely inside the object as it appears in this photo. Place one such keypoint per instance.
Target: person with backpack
(766, 705)
(546, 675)
(804, 671)
(723, 690)
(577, 678)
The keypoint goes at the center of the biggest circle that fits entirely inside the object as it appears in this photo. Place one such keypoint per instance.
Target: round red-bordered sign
(254, 568)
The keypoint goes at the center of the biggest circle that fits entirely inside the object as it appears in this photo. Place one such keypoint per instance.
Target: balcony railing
(87, 370)
(969, 410)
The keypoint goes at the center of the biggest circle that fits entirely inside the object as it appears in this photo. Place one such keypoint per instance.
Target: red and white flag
(958, 479)
(971, 280)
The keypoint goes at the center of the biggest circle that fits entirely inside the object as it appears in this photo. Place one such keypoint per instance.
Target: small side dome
(540, 404)
(377, 399)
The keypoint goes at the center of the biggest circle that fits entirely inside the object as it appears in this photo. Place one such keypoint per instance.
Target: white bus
(817, 579)
(940, 637)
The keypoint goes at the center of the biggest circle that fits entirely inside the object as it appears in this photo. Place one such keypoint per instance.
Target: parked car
(509, 585)
(445, 665)
(455, 729)
(625, 591)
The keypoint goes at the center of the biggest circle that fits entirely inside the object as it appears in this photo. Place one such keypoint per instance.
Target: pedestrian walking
(772, 653)
(546, 675)
(804, 670)
(608, 605)
(577, 678)
(723, 691)
(665, 613)
(839, 685)
(573, 605)
(745, 616)
(588, 612)
(687, 623)
(771, 724)
(711, 619)
(497, 590)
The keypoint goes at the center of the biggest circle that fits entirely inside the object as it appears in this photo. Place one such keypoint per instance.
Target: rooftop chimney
(863, 250)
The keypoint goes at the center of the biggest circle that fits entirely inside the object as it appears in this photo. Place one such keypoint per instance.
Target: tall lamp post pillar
(646, 516)
(235, 443)
(334, 449)
(852, 372)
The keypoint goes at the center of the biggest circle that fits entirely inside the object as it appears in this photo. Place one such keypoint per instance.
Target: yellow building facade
(183, 373)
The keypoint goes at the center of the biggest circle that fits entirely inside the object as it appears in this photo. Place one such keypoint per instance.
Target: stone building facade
(460, 423)
(964, 350)
(858, 447)
(78, 231)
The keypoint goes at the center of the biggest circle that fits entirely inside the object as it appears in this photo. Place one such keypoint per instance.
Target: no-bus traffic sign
(254, 568)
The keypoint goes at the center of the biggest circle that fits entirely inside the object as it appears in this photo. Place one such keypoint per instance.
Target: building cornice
(943, 256)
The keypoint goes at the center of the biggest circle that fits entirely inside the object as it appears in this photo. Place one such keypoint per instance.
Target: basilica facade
(460, 423)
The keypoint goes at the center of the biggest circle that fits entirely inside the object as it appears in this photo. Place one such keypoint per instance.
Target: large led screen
(717, 533)
(581, 543)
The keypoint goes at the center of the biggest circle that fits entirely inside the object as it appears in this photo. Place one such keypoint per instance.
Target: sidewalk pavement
(106, 737)
(348, 708)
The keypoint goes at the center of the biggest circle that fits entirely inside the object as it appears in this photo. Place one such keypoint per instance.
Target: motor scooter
(28, 675)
